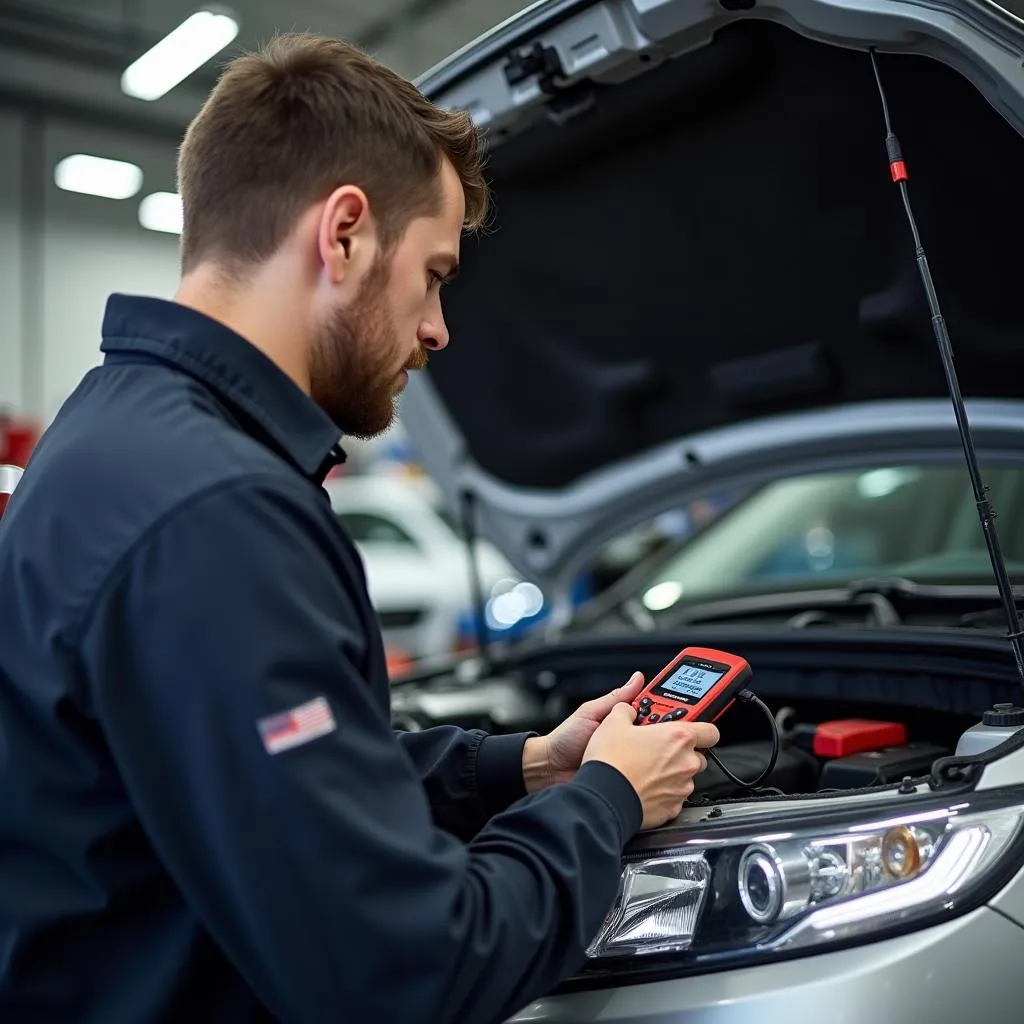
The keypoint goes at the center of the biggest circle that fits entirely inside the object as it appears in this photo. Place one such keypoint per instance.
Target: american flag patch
(299, 725)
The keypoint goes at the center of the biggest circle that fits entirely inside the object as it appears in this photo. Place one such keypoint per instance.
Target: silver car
(701, 281)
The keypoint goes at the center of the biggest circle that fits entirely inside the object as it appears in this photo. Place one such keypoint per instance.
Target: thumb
(622, 713)
(624, 694)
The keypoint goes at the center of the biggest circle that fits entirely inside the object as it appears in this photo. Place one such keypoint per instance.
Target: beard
(354, 361)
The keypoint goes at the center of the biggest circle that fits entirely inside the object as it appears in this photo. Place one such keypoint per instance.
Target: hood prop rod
(476, 580)
(898, 170)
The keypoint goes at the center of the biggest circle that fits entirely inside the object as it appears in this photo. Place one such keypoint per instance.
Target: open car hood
(699, 270)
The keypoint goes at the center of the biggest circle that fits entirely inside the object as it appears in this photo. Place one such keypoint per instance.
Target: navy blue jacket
(205, 814)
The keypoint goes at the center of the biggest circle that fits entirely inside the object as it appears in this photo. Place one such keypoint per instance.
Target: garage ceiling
(64, 58)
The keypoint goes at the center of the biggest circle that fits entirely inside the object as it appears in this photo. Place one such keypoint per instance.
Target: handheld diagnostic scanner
(698, 685)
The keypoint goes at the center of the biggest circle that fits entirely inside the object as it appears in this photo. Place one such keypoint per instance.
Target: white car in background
(417, 566)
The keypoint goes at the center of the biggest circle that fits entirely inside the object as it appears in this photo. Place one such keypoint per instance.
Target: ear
(347, 235)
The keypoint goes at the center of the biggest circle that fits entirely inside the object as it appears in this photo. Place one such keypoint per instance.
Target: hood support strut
(898, 170)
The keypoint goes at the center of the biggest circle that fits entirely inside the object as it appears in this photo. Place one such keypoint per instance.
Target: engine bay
(826, 756)
(851, 715)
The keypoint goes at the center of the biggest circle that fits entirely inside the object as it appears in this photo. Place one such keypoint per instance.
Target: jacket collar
(231, 366)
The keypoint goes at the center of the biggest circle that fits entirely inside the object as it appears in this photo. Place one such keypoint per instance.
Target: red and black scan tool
(698, 685)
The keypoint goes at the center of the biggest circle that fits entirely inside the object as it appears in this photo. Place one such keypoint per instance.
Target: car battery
(880, 767)
(843, 736)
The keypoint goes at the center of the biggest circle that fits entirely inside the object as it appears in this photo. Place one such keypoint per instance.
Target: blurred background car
(418, 567)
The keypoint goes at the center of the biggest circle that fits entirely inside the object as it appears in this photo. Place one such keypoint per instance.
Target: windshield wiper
(906, 591)
(900, 589)
(806, 607)
(887, 601)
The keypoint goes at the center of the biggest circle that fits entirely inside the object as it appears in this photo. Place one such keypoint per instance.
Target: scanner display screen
(689, 683)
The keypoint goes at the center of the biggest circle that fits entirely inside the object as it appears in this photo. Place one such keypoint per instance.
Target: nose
(433, 332)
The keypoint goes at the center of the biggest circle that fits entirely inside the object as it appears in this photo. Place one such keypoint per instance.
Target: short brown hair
(288, 124)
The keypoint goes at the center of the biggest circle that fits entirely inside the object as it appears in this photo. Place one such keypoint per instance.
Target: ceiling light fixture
(161, 211)
(180, 53)
(97, 176)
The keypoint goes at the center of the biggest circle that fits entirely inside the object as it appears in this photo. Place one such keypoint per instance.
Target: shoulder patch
(296, 726)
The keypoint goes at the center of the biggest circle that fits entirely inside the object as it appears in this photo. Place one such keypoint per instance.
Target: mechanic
(205, 813)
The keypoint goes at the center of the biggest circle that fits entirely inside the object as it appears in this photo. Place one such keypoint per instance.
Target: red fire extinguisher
(18, 436)
(17, 439)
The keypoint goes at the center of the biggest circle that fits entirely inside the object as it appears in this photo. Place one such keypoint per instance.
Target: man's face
(364, 348)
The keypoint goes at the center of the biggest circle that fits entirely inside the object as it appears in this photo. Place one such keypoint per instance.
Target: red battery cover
(844, 736)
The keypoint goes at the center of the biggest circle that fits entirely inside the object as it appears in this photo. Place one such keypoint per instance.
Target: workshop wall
(11, 333)
(62, 253)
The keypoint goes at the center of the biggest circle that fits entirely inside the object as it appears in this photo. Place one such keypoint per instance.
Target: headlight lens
(731, 895)
(778, 881)
(657, 908)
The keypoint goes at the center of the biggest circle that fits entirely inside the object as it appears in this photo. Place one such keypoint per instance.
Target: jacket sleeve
(468, 776)
(222, 665)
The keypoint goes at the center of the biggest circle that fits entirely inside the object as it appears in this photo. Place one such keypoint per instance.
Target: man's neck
(259, 311)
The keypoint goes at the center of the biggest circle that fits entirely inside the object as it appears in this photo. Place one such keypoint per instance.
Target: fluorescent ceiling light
(98, 176)
(161, 211)
(183, 51)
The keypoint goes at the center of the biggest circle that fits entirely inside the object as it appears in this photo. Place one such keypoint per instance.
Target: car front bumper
(969, 969)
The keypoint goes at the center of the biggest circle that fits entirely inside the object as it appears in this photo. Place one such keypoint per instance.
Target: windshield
(917, 522)
(371, 528)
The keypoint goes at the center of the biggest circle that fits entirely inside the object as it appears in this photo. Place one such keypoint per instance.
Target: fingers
(704, 734)
(600, 706)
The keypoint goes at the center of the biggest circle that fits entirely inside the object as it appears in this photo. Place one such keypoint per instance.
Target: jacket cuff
(609, 782)
(499, 770)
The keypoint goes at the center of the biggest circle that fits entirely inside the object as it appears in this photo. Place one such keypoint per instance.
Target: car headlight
(812, 878)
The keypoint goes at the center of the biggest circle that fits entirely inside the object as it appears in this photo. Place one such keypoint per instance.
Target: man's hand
(660, 761)
(556, 757)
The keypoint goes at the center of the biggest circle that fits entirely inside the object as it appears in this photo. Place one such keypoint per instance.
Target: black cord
(752, 698)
